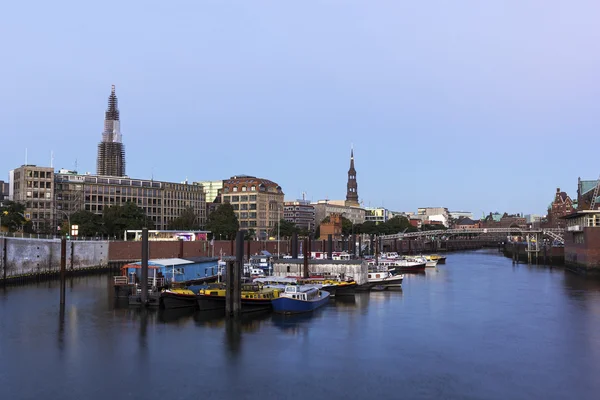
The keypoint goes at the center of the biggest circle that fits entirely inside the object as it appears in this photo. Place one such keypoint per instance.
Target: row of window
(244, 206)
(37, 174)
(37, 184)
(235, 199)
(38, 195)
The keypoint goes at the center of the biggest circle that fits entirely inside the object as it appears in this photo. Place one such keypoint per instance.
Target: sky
(472, 105)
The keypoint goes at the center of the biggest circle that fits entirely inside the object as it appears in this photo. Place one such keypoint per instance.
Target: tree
(369, 227)
(346, 226)
(185, 221)
(286, 229)
(88, 223)
(13, 217)
(223, 221)
(394, 225)
(117, 219)
(250, 234)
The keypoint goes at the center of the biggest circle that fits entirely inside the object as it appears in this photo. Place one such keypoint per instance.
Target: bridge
(555, 234)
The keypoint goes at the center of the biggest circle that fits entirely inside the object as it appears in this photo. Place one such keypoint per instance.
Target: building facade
(111, 151)
(460, 214)
(33, 186)
(439, 214)
(582, 242)
(332, 227)
(467, 223)
(324, 208)
(212, 189)
(161, 201)
(257, 202)
(378, 215)
(301, 213)
(4, 190)
(561, 205)
(585, 191)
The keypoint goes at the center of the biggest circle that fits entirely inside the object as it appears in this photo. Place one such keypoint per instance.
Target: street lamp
(68, 220)
(278, 224)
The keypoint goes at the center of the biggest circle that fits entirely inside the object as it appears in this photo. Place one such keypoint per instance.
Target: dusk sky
(471, 105)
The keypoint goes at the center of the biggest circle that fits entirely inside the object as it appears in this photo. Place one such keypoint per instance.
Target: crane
(596, 189)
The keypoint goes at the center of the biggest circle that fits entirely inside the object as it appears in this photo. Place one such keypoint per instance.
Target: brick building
(585, 190)
(561, 206)
(257, 202)
(467, 223)
(582, 241)
(333, 227)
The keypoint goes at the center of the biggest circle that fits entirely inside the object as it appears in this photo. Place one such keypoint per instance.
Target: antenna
(51, 158)
(25, 155)
(75, 165)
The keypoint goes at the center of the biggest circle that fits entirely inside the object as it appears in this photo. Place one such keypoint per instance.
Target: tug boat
(253, 298)
(177, 298)
(300, 299)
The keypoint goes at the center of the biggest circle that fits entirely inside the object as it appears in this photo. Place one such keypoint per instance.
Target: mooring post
(63, 268)
(360, 253)
(295, 245)
(306, 255)
(72, 254)
(4, 259)
(180, 248)
(229, 288)
(144, 278)
(329, 246)
(237, 273)
(376, 252)
(308, 245)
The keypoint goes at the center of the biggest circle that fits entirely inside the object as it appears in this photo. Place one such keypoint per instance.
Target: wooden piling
(63, 268)
(237, 274)
(307, 252)
(144, 279)
(4, 258)
(330, 246)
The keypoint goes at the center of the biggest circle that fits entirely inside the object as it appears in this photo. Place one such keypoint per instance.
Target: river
(475, 328)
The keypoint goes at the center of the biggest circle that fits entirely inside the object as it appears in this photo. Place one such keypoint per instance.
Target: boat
(253, 298)
(335, 287)
(436, 257)
(429, 263)
(401, 265)
(300, 299)
(381, 280)
(177, 298)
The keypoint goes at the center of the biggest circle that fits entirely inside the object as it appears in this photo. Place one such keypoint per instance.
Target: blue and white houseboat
(300, 299)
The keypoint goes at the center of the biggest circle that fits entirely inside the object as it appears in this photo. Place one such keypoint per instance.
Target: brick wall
(585, 254)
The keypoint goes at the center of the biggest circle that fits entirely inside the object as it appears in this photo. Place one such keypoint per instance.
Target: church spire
(352, 186)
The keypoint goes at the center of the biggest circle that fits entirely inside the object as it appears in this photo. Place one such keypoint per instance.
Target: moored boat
(177, 298)
(300, 299)
(334, 287)
(401, 265)
(384, 279)
(253, 298)
(436, 257)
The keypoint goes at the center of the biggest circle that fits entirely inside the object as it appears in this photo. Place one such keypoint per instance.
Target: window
(243, 198)
(235, 188)
(243, 188)
(235, 199)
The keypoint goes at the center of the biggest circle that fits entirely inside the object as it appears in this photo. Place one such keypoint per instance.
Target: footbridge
(555, 234)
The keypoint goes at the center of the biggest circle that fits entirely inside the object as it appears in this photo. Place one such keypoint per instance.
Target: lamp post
(68, 220)
(278, 224)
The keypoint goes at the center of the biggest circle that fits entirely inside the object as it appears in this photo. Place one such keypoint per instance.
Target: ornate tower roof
(111, 151)
(352, 186)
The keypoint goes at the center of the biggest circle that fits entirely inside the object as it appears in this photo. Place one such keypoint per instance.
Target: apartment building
(257, 202)
(33, 186)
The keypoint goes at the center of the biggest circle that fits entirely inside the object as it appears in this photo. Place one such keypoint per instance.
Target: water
(475, 328)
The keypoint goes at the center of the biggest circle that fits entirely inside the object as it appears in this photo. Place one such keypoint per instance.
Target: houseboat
(177, 298)
(253, 298)
(300, 299)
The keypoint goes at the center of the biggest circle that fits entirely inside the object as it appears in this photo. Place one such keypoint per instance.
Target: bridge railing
(553, 232)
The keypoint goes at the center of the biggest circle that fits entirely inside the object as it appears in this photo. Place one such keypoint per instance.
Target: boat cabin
(302, 293)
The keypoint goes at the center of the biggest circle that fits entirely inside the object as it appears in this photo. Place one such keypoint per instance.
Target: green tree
(13, 217)
(185, 221)
(394, 225)
(286, 229)
(117, 219)
(88, 223)
(250, 234)
(223, 221)
(357, 228)
(369, 227)
(346, 226)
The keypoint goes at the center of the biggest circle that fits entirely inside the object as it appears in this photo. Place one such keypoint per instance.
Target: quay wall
(26, 257)
(547, 255)
(583, 258)
(350, 268)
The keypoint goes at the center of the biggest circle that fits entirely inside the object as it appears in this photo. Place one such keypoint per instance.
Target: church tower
(352, 187)
(111, 151)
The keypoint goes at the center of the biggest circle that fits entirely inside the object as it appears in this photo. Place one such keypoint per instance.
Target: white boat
(399, 264)
(421, 259)
(384, 279)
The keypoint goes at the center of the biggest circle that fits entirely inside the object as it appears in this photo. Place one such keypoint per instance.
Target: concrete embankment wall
(351, 268)
(29, 257)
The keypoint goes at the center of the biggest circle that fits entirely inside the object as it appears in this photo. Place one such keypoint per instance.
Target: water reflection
(176, 315)
(297, 324)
